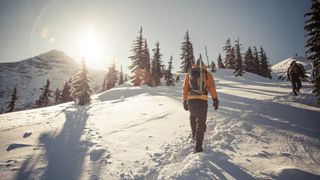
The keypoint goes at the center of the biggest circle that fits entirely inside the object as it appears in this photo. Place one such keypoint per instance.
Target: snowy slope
(259, 131)
(31, 74)
(279, 70)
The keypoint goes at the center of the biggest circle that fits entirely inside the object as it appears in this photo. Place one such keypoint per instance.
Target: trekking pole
(200, 73)
(207, 56)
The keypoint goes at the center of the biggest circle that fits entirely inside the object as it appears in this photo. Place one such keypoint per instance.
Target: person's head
(293, 63)
(202, 64)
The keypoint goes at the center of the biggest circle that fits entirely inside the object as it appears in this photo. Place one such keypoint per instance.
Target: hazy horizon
(103, 30)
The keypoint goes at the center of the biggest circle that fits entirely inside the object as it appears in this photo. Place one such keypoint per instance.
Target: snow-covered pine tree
(238, 67)
(44, 98)
(111, 77)
(169, 75)
(264, 66)
(57, 96)
(121, 81)
(213, 67)
(220, 63)
(187, 55)
(146, 65)
(156, 69)
(66, 92)
(249, 61)
(229, 61)
(312, 27)
(256, 62)
(137, 59)
(12, 102)
(80, 89)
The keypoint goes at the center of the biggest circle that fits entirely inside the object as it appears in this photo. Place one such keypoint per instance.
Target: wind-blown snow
(260, 131)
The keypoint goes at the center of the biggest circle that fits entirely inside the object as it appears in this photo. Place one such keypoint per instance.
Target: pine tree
(125, 78)
(229, 61)
(66, 92)
(264, 66)
(312, 27)
(238, 67)
(80, 85)
(249, 61)
(138, 59)
(187, 55)
(156, 70)
(57, 96)
(111, 77)
(147, 65)
(169, 75)
(220, 63)
(256, 62)
(121, 81)
(44, 99)
(12, 103)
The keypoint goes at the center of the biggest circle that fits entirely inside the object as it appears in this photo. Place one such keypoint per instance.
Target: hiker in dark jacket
(195, 99)
(295, 74)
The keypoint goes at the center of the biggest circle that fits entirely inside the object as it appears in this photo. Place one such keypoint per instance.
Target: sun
(91, 47)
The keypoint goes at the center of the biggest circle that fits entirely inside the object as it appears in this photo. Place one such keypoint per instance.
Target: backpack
(194, 82)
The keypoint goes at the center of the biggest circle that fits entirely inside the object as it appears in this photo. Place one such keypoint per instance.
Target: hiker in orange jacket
(195, 99)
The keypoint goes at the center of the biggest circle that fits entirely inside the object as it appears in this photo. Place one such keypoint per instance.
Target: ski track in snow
(260, 131)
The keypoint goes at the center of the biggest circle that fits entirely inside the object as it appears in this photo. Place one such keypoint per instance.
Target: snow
(30, 75)
(260, 131)
(279, 70)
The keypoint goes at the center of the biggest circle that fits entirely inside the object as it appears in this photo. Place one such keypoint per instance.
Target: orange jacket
(211, 87)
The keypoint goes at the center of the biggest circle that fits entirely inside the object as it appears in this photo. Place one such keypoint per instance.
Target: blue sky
(31, 27)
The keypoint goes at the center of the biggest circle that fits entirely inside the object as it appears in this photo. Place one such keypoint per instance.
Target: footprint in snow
(26, 134)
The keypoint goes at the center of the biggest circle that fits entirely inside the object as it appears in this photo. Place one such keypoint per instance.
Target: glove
(185, 105)
(215, 103)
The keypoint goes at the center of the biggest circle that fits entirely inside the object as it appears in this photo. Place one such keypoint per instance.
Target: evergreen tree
(230, 57)
(121, 81)
(111, 77)
(312, 27)
(125, 78)
(156, 70)
(80, 86)
(44, 99)
(213, 67)
(169, 75)
(220, 63)
(57, 96)
(12, 103)
(249, 61)
(138, 59)
(147, 65)
(66, 92)
(238, 67)
(187, 55)
(264, 66)
(256, 62)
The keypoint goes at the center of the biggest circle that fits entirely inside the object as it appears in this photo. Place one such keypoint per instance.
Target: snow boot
(199, 141)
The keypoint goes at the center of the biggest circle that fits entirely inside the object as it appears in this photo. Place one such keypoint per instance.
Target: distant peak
(55, 56)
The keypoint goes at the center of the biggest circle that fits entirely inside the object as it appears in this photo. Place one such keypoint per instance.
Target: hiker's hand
(215, 103)
(185, 105)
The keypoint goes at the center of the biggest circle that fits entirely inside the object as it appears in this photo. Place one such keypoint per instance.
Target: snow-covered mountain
(279, 70)
(31, 74)
(260, 131)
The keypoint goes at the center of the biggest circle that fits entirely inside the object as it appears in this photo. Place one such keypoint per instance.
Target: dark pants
(198, 115)
(296, 85)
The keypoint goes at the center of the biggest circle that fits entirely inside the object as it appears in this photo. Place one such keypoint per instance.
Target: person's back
(295, 72)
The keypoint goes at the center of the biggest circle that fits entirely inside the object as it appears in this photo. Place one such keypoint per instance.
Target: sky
(103, 30)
